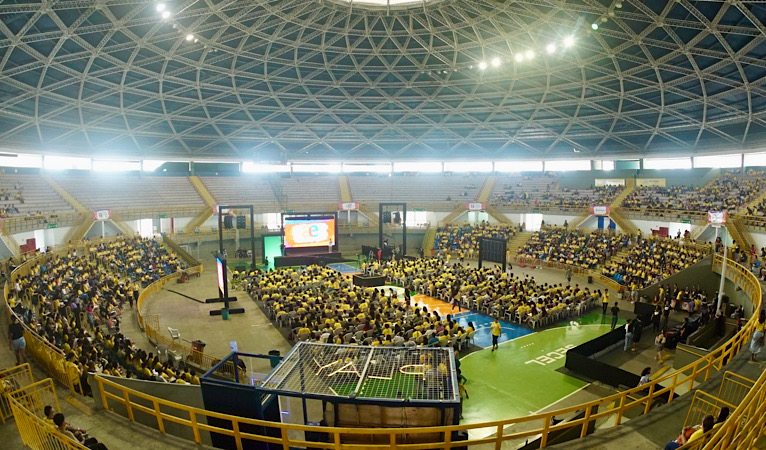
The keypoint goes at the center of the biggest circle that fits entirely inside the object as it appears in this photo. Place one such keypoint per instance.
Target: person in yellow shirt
(495, 328)
(605, 301)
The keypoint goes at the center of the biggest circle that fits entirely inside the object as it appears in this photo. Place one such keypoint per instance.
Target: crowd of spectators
(573, 247)
(74, 302)
(488, 289)
(730, 192)
(319, 305)
(11, 194)
(651, 260)
(563, 198)
(463, 241)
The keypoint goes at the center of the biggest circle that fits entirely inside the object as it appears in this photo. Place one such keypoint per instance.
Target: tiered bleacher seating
(573, 247)
(652, 260)
(463, 241)
(420, 188)
(730, 192)
(76, 304)
(124, 192)
(542, 191)
(242, 191)
(310, 191)
(29, 195)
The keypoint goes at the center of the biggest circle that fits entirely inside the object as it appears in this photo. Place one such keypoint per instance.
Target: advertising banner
(599, 210)
(650, 182)
(102, 214)
(474, 206)
(348, 206)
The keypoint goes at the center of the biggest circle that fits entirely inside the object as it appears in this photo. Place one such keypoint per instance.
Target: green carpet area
(521, 378)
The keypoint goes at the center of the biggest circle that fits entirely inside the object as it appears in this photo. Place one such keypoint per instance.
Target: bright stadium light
(418, 166)
(594, 25)
(518, 166)
(495, 62)
(569, 41)
(482, 65)
(519, 57)
(755, 159)
(567, 165)
(53, 162)
(21, 160)
(165, 14)
(317, 168)
(718, 161)
(366, 168)
(189, 37)
(160, 7)
(551, 48)
(113, 165)
(468, 166)
(251, 167)
(668, 163)
(529, 54)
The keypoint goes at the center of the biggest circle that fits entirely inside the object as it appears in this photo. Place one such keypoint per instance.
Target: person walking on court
(615, 313)
(495, 328)
(605, 301)
(569, 275)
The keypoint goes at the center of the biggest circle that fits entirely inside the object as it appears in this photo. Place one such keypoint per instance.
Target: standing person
(656, 318)
(628, 334)
(329, 246)
(455, 302)
(16, 339)
(665, 315)
(605, 301)
(569, 275)
(645, 376)
(659, 343)
(495, 327)
(463, 392)
(756, 343)
(615, 313)
(638, 330)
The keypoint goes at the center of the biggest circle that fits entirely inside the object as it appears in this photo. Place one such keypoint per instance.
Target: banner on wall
(716, 218)
(598, 182)
(476, 206)
(102, 214)
(348, 206)
(599, 210)
(650, 182)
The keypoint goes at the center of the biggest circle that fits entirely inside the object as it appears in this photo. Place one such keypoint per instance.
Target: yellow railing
(11, 380)
(27, 405)
(638, 400)
(704, 404)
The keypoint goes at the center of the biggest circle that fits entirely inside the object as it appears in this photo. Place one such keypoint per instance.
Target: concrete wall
(187, 395)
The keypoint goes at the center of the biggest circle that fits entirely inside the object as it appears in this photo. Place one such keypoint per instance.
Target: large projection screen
(310, 230)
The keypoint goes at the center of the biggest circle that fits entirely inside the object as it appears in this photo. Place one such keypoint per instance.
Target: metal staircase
(486, 190)
(12, 245)
(738, 232)
(428, 240)
(517, 242)
(345, 189)
(80, 229)
(625, 224)
(497, 215)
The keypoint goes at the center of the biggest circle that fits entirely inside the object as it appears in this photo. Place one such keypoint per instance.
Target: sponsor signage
(599, 210)
(598, 182)
(348, 206)
(476, 206)
(102, 214)
(716, 218)
(650, 182)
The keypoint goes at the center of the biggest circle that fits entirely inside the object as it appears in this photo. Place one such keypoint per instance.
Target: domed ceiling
(365, 80)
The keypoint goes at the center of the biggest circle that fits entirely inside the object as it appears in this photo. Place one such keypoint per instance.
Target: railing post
(195, 427)
(499, 437)
(544, 436)
(620, 409)
(126, 396)
(584, 431)
(649, 399)
(160, 423)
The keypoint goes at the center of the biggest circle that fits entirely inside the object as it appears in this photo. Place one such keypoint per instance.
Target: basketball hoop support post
(723, 268)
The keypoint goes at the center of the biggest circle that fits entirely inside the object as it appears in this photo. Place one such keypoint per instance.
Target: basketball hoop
(716, 218)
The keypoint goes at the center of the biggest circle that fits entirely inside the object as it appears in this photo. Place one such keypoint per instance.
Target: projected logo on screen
(309, 233)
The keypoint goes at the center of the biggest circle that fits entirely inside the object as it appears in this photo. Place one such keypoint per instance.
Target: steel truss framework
(328, 79)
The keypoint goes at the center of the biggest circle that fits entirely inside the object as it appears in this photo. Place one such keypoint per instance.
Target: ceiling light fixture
(569, 41)
(495, 62)
(165, 14)
(529, 54)
(160, 7)
(594, 25)
(482, 65)
(519, 57)
(189, 37)
(551, 48)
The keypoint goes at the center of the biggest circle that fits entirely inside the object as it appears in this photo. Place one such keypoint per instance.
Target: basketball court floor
(525, 375)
